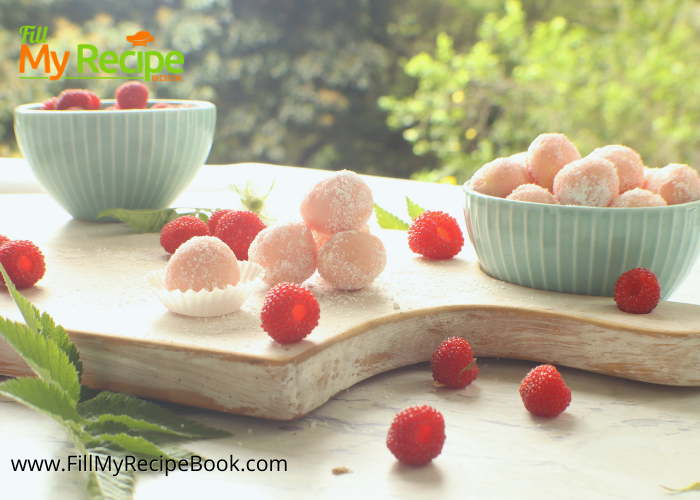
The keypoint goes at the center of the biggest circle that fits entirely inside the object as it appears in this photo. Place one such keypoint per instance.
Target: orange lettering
(34, 63)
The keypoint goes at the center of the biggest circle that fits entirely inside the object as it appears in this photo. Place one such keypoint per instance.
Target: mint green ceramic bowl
(581, 250)
(89, 161)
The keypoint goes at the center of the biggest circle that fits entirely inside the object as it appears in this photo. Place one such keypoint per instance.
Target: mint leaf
(414, 210)
(143, 221)
(114, 405)
(43, 356)
(41, 395)
(388, 220)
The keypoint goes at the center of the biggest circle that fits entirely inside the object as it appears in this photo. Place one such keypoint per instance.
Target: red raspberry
(23, 262)
(132, 95)
(544, 392)
(71, 98)
(289, 313)
(238, 230)
(435, 235)
(416, 435)
(4, 239)
(214, 219)
(111, 108)
(178, 231)
(160, 105)
(449, 363)
(95, 103)
(637, 291)
(49, 104)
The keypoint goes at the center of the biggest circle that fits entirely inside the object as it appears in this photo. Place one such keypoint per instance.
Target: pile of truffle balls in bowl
(549, 219)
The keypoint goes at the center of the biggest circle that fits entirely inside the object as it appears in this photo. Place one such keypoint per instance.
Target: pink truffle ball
(649, 174)
(676, 184)
(286, 251)
(351, 259)
(532, 193)
(322, 238)
(627, 163)
(202, 263)
(499, 178)
(520, 158)
(547, 155)
(339, 203)
(638, 197)
(590, 182)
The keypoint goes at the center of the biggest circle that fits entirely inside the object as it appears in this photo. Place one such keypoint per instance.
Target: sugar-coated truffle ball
(203, 262)
(627, 163)
(649, 174)
(322, 238)
(499, 177)
(638, 197)
(532, 193)
(591, 182)
(339, 203)
(286, 251)
(351, 259)
(547, 155)
(520, 158)
(676, 184)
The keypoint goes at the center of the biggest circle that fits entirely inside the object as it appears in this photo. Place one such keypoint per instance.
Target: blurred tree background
(422, 88)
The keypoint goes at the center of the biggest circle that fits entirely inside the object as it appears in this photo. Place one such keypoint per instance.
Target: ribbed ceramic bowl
(581, 250)
(89, 161)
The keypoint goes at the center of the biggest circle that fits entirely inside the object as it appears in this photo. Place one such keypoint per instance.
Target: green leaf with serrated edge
(30, 313)
(87, 393)
(46, 397)
(692, 487)
(388, 220)
(56, 333)
(109, 403)
(134, 444)
(43, 356)
(140, 424)
(142, 221)
(414, 210)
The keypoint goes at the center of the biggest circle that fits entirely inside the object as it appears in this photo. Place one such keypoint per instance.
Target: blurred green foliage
(633, 79)
(396, 87)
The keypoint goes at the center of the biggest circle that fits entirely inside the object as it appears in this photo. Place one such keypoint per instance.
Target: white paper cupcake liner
(206, 304)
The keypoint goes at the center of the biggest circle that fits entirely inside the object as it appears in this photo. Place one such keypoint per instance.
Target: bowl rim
(528, 204)
(32, 108)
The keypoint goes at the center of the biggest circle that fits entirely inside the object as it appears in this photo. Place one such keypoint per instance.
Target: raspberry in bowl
(91, 160)
(584, 249)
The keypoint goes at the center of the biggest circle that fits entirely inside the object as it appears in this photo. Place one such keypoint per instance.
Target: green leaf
(413, 209)
(106, 485)
(388, 220)
(57, 333)
(30, 313)
(140, 425)
(692, 487)
(41, 395)
(143, 221)
(135, 444)
(43, 356)
(109, 403)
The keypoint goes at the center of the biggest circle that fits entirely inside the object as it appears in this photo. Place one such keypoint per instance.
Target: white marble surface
(618, 439)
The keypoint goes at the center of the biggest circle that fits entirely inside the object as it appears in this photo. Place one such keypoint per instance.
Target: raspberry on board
(544, 392)
(178, 231)
(71, 98)
(637, 291)
(214, 219)
(238, 229)
(289, 313)
(132, 95)
(416, 435)
(453, 363)
(435, 235)
(23, 262)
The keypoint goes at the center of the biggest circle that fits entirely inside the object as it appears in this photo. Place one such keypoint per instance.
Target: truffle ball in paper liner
(532, 193)
(627, 163)
(499, 177)
(547, 155)
(339, 203)
(590, 182)
(286, 251)
(351, 259)
(202, 263)
(639, 198)
(676, 183)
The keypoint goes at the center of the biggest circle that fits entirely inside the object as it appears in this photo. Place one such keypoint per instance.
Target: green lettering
(108, 57)
(174, 57)
(89, 60)
(122, 61)
(149, 68)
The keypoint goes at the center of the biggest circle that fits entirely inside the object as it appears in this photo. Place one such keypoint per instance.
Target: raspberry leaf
(387, 220)
(46, 397)
(56, 333)
(414, 210)
(143, 221)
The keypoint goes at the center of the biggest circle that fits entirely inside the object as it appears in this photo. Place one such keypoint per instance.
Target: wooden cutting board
(129, 342)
